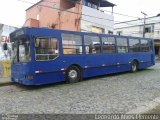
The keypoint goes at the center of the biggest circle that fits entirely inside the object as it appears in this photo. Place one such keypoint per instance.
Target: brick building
(76, 15)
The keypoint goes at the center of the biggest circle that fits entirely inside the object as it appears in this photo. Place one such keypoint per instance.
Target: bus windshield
(21, 51)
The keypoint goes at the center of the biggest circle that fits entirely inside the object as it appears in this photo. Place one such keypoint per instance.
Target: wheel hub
(134, 67)
(72, 74)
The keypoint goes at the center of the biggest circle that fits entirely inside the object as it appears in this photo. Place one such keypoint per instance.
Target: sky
(134, 8)
(12, 12)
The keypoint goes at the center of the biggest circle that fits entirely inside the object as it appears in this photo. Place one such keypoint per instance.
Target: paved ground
(119, 93)
(155, 110)
(4, 81)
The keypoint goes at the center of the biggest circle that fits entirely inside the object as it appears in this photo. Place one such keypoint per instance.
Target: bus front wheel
(134, 66)
(73, 74)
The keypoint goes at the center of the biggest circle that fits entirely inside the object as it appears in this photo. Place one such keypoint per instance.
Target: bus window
(21, 51)
(144, 46)
(122, 45)
(151, 45)
(92, 44)
(72, 44)
(46, 49)
(108, 44)
(134, 45)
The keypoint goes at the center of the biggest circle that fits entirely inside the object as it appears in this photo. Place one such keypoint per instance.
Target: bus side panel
(145, 60)
(92, 64)
(46, 78)
(48, 71)
(123, 62)
(91, 72)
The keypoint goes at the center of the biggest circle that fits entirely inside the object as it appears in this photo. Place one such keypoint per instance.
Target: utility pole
(144, 26)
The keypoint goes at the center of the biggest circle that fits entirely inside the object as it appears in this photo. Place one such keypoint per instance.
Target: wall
(136, 27)
(87, 22)
(129, 31)
(5, 69)
(5, 58)
(5, 30)
(51, 17)
(44, 13)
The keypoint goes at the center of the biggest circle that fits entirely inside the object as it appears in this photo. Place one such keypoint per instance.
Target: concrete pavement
(155, 110)
(5, 81)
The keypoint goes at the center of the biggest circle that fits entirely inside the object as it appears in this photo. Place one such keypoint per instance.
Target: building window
(98, 29)
(144, 46)
(119, 32)
(38, 17)
(46, 48)
(122, 45)
(110, 32)
(134, 45)
(148, 30)
(108, 44)
(72, 44)
(92, 44)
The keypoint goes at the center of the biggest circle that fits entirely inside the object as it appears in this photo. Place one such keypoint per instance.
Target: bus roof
(25, 30)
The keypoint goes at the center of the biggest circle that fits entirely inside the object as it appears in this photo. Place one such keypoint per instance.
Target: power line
(62, 10)
(122, 14)
(79, 13)
(110, 11)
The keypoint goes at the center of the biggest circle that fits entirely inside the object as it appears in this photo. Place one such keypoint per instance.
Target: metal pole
(144, 26)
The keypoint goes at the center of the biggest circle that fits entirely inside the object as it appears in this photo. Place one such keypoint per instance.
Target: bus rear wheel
(134, 66)
(73, 74)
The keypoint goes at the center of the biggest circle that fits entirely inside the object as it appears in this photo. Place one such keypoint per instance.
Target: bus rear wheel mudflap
(134, 66)
(73, 74)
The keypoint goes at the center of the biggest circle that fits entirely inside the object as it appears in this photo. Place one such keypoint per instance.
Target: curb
(146, 107)
(6, 84)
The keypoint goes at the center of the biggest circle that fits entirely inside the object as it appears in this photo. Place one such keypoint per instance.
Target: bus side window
(122, 45)
(92, 44)
(46, 48)
(144, 45)
(108, 44)
(134, 45)
(151, 45)
(72, 44)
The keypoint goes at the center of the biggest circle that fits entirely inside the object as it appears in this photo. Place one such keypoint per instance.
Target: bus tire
(134, 66)
(73, 74)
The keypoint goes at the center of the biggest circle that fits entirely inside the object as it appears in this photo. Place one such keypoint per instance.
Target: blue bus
(43, 56)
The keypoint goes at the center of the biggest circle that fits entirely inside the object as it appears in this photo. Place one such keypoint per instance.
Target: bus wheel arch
(73, 73)
(134, 65)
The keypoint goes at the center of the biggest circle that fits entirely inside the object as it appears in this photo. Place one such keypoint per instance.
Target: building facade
(76, 15)
(151, 29)
(5, 30)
